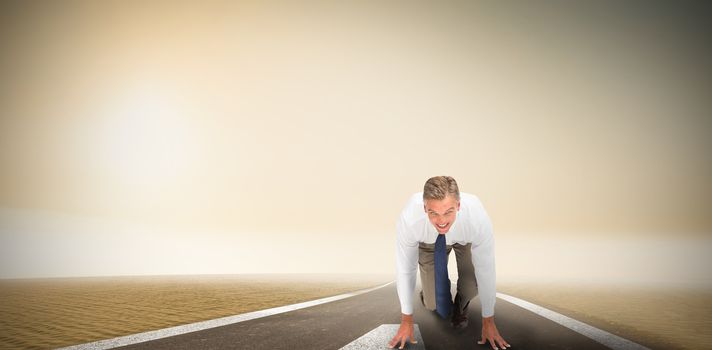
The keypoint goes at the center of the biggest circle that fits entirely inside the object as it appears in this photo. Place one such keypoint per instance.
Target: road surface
(336, 324)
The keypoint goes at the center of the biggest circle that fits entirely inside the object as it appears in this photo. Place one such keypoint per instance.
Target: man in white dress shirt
(466, 228)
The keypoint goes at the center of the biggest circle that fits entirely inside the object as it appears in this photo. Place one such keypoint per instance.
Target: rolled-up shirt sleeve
(406, 266)
(483, 261)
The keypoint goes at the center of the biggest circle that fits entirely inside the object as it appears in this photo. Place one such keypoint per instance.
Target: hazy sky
(302, 128)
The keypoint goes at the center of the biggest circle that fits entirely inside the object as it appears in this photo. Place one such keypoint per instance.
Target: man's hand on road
(491, 334)
(405, 332)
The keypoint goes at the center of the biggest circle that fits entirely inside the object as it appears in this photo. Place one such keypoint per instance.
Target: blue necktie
(443, 298)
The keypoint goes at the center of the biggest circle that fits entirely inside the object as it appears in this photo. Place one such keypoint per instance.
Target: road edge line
(608, 339)
(202, 325)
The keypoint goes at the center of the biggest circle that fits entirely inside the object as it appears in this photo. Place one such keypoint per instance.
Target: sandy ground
(42, 314)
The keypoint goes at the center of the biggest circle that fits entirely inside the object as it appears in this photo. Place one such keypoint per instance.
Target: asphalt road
(333, 325)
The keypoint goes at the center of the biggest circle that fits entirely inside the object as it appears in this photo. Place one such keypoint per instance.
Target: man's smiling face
(442, 212)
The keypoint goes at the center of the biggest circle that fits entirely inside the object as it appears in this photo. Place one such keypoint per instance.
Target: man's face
(442, 213)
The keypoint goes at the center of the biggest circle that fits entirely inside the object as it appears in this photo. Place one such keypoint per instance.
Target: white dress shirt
(472, 225)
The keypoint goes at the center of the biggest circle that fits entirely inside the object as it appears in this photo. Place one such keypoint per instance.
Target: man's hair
(438, 187)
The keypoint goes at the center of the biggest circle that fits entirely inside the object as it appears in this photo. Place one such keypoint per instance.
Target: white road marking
(610, 340)
(379, 337)
(218, 322)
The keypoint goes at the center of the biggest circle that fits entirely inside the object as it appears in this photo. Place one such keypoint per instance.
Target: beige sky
(317, 120)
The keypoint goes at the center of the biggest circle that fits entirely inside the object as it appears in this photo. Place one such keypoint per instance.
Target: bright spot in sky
(143, 138)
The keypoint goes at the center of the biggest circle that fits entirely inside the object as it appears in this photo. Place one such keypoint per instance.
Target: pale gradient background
(218, 137)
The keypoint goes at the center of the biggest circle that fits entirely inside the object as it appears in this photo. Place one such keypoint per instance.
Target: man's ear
(458, 205)
(425, 209)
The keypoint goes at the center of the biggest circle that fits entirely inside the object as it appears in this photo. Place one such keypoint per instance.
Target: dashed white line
(378, 337)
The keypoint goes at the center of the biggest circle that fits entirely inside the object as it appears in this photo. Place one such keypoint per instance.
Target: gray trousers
(466, 280)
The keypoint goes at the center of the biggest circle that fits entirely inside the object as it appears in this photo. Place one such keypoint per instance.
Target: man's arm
(406, 268)
(483, 260)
